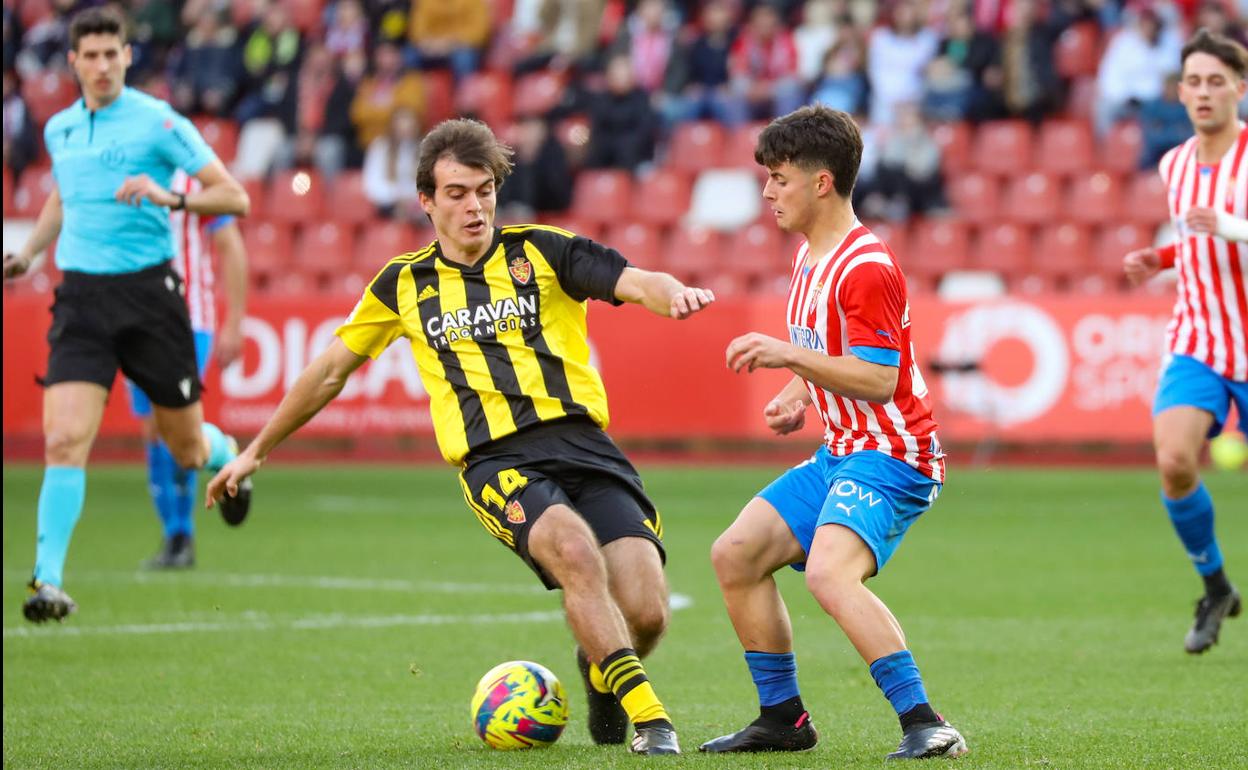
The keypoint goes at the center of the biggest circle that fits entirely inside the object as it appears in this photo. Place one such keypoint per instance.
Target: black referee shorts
(136, 322)
(571, 461)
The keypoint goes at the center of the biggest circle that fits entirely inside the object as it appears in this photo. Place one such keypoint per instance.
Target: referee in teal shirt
(120, 305)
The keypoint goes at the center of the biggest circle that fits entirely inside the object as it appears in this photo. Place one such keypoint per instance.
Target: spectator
(698, 85)
(763, 64)
(347, 30)
(21, 143)
(12, 37)
(448, 32)
(560, 34)
(896, 57)
(335, 146)
(317, 80)
(1029, 85)
(381, 92)
(205, 70)
(154, 31)
(390, 167)
(541, 180)
(1213, 16)
(1135, 65)
(964, 79)
(623, 126)
(1163, 123)
(908, 174)
(271, 49)
(44, 45)
(843, 84)
(816, 36)
(647, 39)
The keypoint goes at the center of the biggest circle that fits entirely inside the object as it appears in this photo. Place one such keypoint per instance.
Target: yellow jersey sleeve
(375, 322)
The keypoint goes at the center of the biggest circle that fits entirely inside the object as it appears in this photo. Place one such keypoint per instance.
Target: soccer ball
(519, 705)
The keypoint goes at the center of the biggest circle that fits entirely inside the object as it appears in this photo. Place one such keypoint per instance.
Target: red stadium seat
(1081, 99)
(325, 251)
(937, 246)
(48, 93)
(739, 149)
(32, 192)
(1121, 148)
(662, 197)
(574, 225)
(487, 96)
(759, 254)
(537, 93)
(1094, 199)
(1003, 147)
(296, 201)
(269, 250)
(1005, 247)
(348, 202)
(384, 241)
(1110, 246)
(602, 195)
(32, 11)
(9, 209)
(256, 192)
(221, 134)
(1064, 252)
(955, 146)
(439, 97)
(639, 243)
(894, 235)
(1033, 198)
(1066, 147)
(1077, 52)
(1147, 201)
(697, 146)
(975, 195)
(694, 252)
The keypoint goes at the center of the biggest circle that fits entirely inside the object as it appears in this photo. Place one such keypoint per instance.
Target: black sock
(920, 714)
(786, 712)
(1216, 585)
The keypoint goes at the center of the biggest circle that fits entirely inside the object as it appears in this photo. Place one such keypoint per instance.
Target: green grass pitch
(345, 624)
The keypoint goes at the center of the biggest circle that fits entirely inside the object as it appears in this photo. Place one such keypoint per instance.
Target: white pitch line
(236, 580)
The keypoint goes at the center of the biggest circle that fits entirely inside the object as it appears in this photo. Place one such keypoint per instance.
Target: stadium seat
(696, 146)
(1146, 200)
(221, 134)
(955, 146)
(1081, 99)
(325, 251)
(694, 252)
(269, 249)
(1093, 199)
(290, 202)
(47, 93)
(739, 148)
(1112, 244)
(937, 246)
(1003, 147)
(1122, 147)
(486, 95)
(439, 97)
(1077, 52)
(1064, 253)
(602, 195)
(975, 195)
(32, 192)
(1066, 147)
(256, 192)
(384, 241)
(574, 225)
(348, 204)
(1033, 198)
(895, 236)
(639, 243)
(662, 197)
(32, 12)
(537, 93)
(1005, 248)
(9, 209)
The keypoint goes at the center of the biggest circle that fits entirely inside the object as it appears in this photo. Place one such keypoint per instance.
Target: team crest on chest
(813, 301)
(515, 512)
(521, 269)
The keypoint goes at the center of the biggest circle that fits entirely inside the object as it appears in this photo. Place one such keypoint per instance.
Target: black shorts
(510, 482)
(136, 322)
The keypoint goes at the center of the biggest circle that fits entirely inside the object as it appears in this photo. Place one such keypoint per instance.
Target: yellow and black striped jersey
(501, 345)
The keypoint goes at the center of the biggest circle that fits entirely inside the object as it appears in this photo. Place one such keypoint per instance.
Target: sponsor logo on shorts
(515, 512)
(847, 488)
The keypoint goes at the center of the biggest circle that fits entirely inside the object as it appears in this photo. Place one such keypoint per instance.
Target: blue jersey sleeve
(179, 143)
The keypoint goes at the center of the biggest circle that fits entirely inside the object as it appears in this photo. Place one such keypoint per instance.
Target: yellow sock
(624, 674)
(596, 679)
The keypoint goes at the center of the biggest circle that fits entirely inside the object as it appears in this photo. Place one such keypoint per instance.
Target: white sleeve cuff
(1232, 228)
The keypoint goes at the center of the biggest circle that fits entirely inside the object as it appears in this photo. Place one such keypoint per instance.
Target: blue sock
(160, 467)
(898, 676)
(1192, 517)
(185, 487)
(60, 505)
(220, 450)
(774, 674)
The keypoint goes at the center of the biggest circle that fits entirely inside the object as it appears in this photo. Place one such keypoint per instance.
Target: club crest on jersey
(814, 297)
(521, 269)
(515, 512)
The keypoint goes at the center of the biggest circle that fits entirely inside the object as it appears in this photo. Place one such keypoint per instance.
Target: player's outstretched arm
(227, 241)
(848, 376)
(319, 384)
(661, 294)
(47, 227)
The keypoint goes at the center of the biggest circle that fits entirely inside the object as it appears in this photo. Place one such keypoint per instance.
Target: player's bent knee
(650, 620)
(187, 453)
(829, 586)
(66, 445)
(1178, 471)
(567, 548)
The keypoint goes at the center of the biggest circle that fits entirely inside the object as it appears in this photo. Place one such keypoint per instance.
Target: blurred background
(1010, 163)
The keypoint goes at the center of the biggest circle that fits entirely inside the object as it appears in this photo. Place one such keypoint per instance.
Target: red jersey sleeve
(873, 300)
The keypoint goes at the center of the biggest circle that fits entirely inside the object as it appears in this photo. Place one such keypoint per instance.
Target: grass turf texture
(345, 624)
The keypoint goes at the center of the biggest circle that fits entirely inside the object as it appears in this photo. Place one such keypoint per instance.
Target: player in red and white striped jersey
(196, 241)
(1207, 339)
(841, 514)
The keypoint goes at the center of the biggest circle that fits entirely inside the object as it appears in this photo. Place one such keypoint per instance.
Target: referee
(496, 320)
(120, 304)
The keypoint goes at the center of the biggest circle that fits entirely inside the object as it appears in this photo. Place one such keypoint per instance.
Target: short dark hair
(814, 137)
(466, 141)
(96, 21)
(1220, 47)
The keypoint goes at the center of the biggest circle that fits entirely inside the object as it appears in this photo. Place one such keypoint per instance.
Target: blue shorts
(140, 404)
(1188, 382)
(869, 492)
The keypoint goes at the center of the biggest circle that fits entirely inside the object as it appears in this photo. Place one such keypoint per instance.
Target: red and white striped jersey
(1210, 321)
(193, 255)
(853, 300)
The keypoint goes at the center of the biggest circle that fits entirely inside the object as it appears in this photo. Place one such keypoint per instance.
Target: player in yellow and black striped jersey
(496, 321)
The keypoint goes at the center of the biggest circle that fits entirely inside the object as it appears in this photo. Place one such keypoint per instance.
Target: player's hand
(1202, 220)
(228, 345)
(784, 417)
(1140, 265)
(755, 351)
(229, 477)
(689, 300)
(15, 265)
(136, 189)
